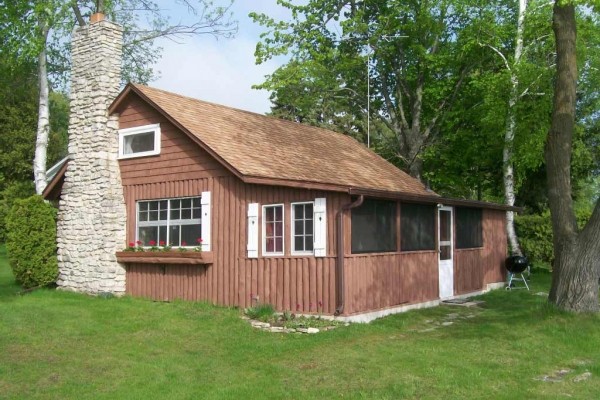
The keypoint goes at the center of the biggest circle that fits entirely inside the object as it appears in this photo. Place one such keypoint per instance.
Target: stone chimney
(91, 215)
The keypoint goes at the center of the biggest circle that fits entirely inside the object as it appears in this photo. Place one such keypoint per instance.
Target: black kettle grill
(515, 266)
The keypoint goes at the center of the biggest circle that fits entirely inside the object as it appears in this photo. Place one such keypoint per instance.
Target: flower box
(165, 257)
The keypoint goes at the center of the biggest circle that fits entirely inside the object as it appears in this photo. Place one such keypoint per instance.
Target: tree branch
(77, 13)
(506, 64)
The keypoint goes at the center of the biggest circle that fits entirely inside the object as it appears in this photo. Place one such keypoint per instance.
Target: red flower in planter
(183, 243)
(199, 240)
(152, 243)
(162, 242)
(131, 244)
(139, 242)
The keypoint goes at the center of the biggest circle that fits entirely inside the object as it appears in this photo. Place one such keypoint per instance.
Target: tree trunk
(509, 134)
(43, 125)
(576, 254)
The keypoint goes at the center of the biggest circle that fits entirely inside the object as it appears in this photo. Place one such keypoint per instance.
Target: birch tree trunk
(509, 134)
(576, 267)
(43, 125)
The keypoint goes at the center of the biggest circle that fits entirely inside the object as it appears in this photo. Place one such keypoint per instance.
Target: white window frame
(124, 133)
(264, 230)
(166, 222)
(293, 235)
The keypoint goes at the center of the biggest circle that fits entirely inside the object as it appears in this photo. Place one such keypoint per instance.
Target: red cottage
(304, 218)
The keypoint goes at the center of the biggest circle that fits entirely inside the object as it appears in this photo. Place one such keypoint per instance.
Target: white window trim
(123, 133)
(166, 222)
(294, 252)
(264, 231)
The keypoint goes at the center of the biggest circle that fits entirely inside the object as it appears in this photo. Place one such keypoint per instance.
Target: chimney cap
(97, 17)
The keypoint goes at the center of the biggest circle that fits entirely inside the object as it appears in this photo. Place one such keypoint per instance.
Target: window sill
(165, 257)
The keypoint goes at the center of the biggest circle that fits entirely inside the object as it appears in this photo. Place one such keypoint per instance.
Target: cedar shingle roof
(258, 146)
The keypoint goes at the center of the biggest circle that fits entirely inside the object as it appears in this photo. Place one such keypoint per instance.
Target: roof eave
(432, 199)
(54, 187)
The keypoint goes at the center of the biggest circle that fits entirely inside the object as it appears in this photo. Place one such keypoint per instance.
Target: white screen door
(446, 262)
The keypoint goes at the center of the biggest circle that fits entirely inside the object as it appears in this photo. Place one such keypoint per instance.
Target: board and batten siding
(296, 283)
(379, 281)
(475, 268)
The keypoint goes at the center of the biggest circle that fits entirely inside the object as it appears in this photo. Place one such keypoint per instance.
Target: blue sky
(221, 71)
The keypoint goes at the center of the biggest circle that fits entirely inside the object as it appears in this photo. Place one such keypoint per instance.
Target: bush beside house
(535, 235)
(31, 242)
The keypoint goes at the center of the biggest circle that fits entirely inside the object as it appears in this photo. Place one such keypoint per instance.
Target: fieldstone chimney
(91, 215)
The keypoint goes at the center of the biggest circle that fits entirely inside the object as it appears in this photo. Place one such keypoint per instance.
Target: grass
(62, 345)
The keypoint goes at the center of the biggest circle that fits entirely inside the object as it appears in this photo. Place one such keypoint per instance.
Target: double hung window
(273, 229)
(303, 228)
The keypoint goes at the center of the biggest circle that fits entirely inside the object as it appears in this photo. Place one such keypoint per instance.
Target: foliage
(535, 234)
(325, 84)
(18, 110)
(31, 242)
(418, 56)
(261, 312)
(143, 22)
(8, 196)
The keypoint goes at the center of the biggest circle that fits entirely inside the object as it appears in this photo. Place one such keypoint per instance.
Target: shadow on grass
(8, 287)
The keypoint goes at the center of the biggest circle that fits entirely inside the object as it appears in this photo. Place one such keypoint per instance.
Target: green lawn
(56, 345)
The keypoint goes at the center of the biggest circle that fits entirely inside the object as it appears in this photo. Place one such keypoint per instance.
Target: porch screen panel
(374, 227)
(417, 227)
(468, 228)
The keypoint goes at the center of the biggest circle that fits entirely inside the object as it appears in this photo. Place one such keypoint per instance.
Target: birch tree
(42, 27)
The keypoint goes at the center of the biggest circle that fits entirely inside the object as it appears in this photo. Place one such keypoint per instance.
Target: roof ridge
(269, 117)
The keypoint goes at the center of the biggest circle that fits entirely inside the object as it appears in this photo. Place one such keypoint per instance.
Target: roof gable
(263, 149)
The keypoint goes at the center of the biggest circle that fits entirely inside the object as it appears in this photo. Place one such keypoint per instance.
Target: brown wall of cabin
(296, 283)
(377, 281)
(289, 282)
(475, 268)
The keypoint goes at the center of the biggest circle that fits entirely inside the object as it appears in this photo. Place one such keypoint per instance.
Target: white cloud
(221, 71)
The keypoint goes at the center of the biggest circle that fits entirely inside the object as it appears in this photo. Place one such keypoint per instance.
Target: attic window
(139, 141)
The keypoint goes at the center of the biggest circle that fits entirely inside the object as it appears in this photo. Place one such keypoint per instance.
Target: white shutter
(252, 230)
(206, 220)
(320, 227)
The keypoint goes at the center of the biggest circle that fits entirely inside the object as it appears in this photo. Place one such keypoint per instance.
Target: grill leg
(525, 282)
(510, 279)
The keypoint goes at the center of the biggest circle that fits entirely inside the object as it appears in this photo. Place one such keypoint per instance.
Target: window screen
(374, 227)
(468, 228)
(417, 227)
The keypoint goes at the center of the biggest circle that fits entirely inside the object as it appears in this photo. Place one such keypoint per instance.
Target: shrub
(261, 312)
(535, 234)
(31, 242)
(8, 196)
